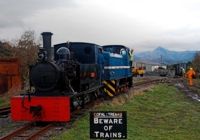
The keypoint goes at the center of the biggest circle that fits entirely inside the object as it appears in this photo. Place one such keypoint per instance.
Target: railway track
(4, 112)
(28, 132)
(196, 86)
(149, 82)
(191, 92)
(33, 131)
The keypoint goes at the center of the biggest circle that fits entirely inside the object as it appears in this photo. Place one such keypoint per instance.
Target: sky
(139, 24)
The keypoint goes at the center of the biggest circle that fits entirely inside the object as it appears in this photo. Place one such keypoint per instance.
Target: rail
(28, 132)
(4, 112)
(160, 80)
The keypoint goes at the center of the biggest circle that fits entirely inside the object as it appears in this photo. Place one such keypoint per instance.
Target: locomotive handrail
(87, 91)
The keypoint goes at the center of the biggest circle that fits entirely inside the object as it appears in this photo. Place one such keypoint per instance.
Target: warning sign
(108, 125)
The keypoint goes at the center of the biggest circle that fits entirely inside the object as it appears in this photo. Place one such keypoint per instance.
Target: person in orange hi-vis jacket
(190, 75)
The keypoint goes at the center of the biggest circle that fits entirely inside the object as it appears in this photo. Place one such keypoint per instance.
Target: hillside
(164, 55)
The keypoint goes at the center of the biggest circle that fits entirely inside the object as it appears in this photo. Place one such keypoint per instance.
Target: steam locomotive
(71, 75)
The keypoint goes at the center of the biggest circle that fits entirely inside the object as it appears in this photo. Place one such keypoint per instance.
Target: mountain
(165, 56)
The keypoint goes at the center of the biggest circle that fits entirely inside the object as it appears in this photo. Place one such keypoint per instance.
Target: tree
(5, 50)
(196, 62)
(26, 49)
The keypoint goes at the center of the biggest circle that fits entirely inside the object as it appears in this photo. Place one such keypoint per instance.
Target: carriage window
(122, 52)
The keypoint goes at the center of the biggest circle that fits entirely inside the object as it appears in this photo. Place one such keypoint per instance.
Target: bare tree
(196, 62)
(5, 50)
(26, 49)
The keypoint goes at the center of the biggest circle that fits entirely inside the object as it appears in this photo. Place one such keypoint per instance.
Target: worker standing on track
(182, 71)
(131, 57)
(190, 75)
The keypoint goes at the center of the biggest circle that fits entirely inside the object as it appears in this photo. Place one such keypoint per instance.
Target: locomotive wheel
(130, 82)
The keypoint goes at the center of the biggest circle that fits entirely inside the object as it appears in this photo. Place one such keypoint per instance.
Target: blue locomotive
(117, 75)
(69, 76)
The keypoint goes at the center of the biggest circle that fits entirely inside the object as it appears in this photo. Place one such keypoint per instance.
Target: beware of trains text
(108, 125)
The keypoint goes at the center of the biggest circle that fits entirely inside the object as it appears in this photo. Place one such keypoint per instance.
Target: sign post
(108, 125)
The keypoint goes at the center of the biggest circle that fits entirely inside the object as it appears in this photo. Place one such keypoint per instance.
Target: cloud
(140, 24)
(90, 24)
(13, 12)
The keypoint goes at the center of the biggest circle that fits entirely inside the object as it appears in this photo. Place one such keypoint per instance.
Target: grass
(162, 113)
(4, 101)
(5, 98)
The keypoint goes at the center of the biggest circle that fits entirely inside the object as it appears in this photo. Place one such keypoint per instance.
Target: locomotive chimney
(47, 44)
